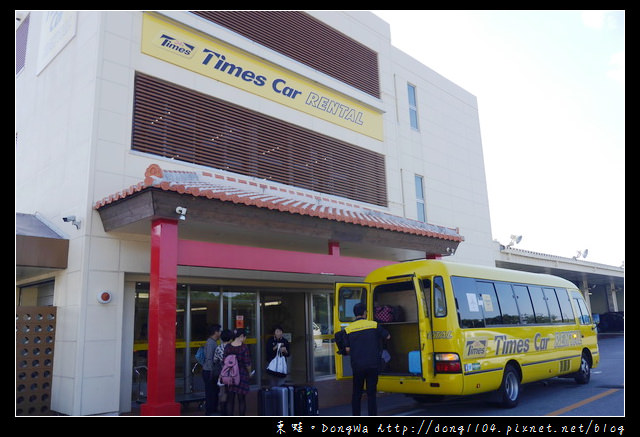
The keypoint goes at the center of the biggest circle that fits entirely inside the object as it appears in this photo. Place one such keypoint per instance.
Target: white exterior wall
(73, 125)
(55, 115)
(447, 152)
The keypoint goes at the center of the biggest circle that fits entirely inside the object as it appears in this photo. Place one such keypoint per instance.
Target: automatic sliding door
(322, 325)
(287, 310)
(240, 311)
(204, 310)
(197, 307)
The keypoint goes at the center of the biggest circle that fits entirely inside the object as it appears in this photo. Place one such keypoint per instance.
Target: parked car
(611, 322)
(317, 342)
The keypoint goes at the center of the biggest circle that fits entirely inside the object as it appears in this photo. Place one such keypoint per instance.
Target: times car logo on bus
(475, 348)
(175, 45)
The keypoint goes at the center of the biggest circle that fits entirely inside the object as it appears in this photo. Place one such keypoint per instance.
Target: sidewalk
(387, 403)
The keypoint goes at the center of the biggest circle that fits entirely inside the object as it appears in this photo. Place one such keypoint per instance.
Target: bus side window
(508, 304)
(489, 303)
(539, 305)
(565, 306)
(552, 303)
(469, 311)
(439, 300)
(524, 304)
(585, 317)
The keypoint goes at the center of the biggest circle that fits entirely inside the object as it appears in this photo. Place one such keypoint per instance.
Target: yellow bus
(458, 329)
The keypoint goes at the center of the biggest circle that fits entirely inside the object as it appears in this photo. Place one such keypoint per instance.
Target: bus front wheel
(509, 391)
(584, 374)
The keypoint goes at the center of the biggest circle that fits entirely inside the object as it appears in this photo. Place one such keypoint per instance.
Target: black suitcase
(266, 402)
(306, 401)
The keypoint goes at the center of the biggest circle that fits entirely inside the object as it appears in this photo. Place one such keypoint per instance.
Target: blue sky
(551, 96)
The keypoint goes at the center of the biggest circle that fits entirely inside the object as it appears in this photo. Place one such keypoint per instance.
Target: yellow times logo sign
(175, 46)
(218, 60)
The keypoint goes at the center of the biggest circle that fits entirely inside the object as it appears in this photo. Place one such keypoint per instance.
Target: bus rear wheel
(509, 391)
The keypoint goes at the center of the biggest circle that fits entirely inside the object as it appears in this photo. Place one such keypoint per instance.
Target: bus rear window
(348, 297)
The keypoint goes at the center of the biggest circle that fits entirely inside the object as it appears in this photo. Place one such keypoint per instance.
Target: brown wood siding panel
(35, 342)
(182, 124)
(301, 37)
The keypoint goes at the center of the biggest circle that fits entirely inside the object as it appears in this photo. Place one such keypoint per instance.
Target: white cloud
(594, 19)
(599, 20)
(616, 70)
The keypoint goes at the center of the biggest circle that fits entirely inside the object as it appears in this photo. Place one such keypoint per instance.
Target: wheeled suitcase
(275, 401)
(281, 397)
(306, 401)
(415, 365)
(290, 394)
(266, 402)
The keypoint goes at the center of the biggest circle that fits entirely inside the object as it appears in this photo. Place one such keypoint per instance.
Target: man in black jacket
(364, 346)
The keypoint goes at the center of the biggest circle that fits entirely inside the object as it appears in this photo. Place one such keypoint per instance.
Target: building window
(420, 199)
(22, 34)
(40, 294)
(413, 106)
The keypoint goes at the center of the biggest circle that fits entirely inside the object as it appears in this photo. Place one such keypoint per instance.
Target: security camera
(182, 211)
(72, 218)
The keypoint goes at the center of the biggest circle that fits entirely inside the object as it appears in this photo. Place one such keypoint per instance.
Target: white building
(374, 157)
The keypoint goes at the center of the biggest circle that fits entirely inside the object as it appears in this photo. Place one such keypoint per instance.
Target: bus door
(422, 288)
(401, 306)
(347, 296)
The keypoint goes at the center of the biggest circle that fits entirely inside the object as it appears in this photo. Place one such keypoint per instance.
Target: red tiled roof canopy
(264, 194)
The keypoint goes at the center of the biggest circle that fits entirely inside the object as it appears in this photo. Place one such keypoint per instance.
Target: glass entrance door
(201, 310)
(322, 327)
(197, 307)
(305, 317)
(240, 310)
(287, 310)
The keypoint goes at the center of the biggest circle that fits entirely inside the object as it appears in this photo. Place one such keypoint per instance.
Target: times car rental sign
(171, 42)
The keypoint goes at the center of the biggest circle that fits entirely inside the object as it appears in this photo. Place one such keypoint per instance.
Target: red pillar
(334, 248)
(162, 320)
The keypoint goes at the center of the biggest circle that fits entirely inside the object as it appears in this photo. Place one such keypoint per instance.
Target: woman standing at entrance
(277, 343)
(241, 351)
